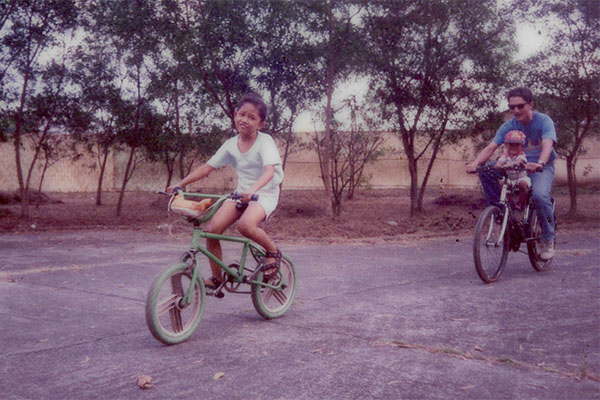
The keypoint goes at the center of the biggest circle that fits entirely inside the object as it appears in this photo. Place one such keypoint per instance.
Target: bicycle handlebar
(486, 168)
(233, 196)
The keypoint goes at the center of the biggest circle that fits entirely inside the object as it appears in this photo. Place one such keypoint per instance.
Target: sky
(529, 40)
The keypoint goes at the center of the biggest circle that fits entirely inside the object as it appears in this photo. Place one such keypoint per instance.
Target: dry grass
(300, 216)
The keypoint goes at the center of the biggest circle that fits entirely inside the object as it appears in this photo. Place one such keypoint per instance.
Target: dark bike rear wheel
(273, 303)
(534, 242)
(490, 250)
(170, 320)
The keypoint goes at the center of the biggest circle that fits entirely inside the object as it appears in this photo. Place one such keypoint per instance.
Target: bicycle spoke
(177, 285)
(167, 305)
(176, 322)
(280, 296)
(168, 319)
(490, 248)
(266, 295)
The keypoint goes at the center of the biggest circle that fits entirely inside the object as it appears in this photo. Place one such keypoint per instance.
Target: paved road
(381, 321)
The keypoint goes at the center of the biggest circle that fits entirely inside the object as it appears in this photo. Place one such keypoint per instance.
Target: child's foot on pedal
(212, 283)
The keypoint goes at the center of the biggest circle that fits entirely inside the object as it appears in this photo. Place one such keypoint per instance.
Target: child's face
(247, 119)
(514, 148)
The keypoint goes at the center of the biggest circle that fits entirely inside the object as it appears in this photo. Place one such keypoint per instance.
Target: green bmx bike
(177, 297)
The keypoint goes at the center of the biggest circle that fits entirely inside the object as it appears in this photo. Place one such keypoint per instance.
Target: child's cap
(515, 137)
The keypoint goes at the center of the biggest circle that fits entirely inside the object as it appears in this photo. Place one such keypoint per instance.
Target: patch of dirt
(373, 215)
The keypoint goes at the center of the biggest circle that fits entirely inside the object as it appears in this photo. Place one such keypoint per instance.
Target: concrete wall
(302, 171)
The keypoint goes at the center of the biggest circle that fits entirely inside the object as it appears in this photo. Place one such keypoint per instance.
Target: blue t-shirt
(540, 127)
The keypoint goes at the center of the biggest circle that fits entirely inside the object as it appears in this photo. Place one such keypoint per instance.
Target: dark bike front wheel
(169, 319)
(534, 242)
(490, 249)
(273, 303)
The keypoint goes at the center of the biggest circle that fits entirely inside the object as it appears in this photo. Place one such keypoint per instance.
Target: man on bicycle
(541, 137)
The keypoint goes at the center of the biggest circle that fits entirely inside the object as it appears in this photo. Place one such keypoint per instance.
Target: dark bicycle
(502, 228)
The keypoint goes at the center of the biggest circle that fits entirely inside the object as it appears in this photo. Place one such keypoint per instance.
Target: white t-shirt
(249, 167)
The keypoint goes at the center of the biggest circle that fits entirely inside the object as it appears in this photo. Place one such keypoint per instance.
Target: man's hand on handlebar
(471, 167)
(534, 167)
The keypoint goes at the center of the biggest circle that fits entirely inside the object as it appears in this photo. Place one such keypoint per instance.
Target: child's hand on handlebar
(247, 197)
(173, 189)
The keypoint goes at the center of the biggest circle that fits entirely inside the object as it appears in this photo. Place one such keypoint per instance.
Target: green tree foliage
(334, 31)
(283, 66)
(437, 66)
(28, 28)
(566, 76)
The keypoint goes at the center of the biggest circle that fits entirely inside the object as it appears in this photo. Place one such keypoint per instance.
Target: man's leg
(541, 184)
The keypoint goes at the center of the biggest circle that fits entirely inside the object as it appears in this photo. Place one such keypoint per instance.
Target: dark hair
(256, 101)
(523, 92)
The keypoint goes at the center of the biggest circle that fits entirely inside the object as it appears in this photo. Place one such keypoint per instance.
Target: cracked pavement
(401, 320)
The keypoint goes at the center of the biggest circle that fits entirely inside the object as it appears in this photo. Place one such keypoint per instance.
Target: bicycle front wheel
(273, 303)
(534, 243)
(169, 319)
(490, 251)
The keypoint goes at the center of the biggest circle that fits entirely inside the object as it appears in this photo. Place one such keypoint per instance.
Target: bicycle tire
(168, 322)
(490, 252)
(272, 303)
(533, 245)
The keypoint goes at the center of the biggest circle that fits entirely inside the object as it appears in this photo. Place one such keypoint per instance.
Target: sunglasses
(519, 106)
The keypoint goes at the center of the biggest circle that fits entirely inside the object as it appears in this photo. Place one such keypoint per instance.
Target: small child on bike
(514, 156)
(257, 164)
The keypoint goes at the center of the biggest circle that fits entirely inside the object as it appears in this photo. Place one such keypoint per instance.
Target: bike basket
(189, 208)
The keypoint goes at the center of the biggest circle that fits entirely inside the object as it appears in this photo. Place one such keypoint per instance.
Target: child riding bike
(514, 161)
(257, 163)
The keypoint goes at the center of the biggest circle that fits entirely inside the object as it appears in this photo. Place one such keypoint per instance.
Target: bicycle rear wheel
(169, 320)
(534, 243)
(272, 303)
(490, 251)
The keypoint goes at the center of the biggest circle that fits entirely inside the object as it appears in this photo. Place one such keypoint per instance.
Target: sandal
(272, 269)
(213, 284)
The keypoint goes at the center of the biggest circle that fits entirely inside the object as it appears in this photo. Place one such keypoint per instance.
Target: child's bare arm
(198, 173)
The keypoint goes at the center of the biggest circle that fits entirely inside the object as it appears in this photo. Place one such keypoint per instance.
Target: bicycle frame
(507, 210)
(176, 299)
(233, 275)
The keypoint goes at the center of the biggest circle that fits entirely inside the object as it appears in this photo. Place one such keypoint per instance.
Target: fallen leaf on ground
(218, 375)
(145, 382)
(478, 348)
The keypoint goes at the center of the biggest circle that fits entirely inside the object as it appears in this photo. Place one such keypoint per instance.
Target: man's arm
(547, 145)
(485, 155)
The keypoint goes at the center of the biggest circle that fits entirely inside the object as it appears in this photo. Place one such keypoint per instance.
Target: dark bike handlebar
(486, 168)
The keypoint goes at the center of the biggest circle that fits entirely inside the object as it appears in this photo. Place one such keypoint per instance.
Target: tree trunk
(572, 182)
(434, 153)
(326, 159)
(101, 177)
(17, 145)
(128, 172)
